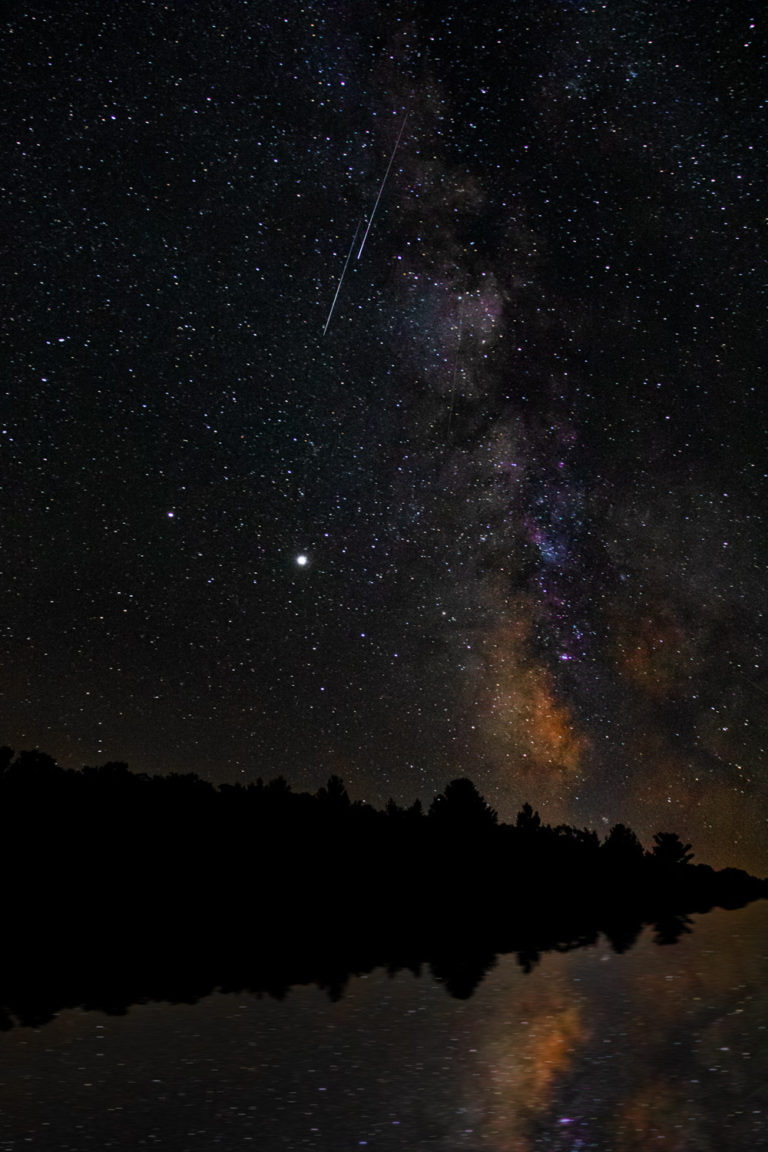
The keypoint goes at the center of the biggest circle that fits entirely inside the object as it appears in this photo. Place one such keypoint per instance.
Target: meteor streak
(381, 188)
(341, 278)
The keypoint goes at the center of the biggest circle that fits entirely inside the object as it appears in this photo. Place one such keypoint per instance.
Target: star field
(505, 516)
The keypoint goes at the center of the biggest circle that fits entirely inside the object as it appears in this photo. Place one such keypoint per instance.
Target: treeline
(177, 837)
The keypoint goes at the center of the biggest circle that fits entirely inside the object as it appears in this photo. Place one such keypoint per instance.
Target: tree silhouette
(462, 806)
(527, 819)
(622, 846)
(669, 850)
(334, 795)
(393, 810)
(278, 789)
(33, 767)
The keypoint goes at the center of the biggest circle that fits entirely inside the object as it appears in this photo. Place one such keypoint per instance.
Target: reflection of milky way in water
(665, 1045)
(587, 1050)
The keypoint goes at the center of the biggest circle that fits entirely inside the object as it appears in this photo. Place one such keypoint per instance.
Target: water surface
(661, 1046)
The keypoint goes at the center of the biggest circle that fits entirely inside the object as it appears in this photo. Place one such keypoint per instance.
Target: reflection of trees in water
(110, 973)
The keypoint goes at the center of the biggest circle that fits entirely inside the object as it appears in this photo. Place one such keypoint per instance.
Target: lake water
(660, 1047)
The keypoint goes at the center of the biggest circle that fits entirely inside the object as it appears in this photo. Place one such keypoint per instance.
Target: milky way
(525, 461)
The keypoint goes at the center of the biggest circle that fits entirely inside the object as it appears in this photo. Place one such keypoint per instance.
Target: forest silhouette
(122, 887)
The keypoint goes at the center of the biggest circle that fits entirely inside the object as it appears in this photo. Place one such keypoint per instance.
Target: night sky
(505, 517)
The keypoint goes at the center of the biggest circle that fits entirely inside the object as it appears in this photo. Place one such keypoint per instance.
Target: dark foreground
(123, 888)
